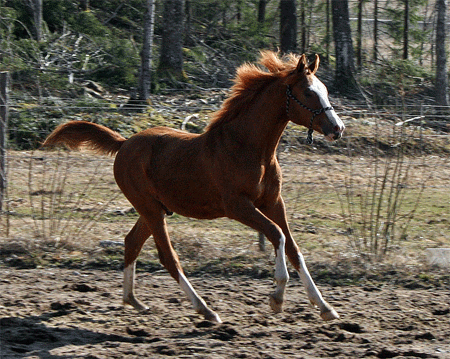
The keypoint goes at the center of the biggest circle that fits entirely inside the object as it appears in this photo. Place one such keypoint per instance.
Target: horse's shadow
(22, 336)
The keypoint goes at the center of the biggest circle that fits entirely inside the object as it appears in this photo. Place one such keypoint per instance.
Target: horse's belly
(192, 202)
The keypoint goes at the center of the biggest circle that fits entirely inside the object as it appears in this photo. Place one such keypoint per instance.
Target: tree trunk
(288, 26)
(345, 66)
(359, 36)
(262, 11)
(36, 10)
(145, 76)
(303, 26)
(187, 24)
(171, 59)
(239, 11)
(84, 5)
(406, 31)
(328, 34)
(4, 99)
(441, 60)
(425, 30)
(375, 30)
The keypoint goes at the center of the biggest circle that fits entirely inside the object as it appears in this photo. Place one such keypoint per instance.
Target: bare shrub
(64, 202)
(378, 211)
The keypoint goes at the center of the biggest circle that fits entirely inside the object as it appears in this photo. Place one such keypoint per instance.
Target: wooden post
(262, 242)
(4, 83)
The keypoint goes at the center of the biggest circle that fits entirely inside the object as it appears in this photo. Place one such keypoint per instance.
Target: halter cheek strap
(289, 96)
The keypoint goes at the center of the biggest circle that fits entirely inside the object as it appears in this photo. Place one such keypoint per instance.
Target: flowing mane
(249, 82)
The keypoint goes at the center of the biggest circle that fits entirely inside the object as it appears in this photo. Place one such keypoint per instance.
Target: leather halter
(289, 96)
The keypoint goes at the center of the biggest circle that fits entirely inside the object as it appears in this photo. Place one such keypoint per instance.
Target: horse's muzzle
(336, 134)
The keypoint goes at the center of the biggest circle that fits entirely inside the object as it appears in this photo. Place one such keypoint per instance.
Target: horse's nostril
(337, 128)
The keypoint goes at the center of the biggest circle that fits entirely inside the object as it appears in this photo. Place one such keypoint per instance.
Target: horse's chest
(269, 186)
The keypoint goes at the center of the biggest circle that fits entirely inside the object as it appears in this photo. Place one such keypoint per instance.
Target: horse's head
(307, 101)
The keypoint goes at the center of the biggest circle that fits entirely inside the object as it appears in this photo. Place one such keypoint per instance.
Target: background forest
(381, 52)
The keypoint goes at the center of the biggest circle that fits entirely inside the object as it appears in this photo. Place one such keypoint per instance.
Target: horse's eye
(308, 93)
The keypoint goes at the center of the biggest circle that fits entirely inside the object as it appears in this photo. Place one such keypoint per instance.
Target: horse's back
(153, 151)
(156, 140)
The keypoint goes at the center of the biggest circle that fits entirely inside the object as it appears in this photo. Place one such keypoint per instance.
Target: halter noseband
(289, 96)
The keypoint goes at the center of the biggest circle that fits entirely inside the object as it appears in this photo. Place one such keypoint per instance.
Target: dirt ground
(65, 313)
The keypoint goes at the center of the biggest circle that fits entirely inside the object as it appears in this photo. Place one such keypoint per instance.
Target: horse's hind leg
(134, 241)
(169, 259)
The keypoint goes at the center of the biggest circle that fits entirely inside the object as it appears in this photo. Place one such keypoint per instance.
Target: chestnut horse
(230, 170)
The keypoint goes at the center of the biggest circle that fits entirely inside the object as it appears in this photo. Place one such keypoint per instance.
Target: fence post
(4, 83)
(262, 242)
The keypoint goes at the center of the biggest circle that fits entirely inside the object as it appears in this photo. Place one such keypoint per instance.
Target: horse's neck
(263, 123)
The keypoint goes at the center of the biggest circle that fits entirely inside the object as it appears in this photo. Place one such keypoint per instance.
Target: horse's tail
(75, 134)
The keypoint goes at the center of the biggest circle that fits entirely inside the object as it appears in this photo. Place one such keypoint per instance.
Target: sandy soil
(65, 313)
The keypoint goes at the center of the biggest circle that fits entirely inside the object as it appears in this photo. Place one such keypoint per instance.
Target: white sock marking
(313, 293)
(128, 280)
(195, 299)
(281, 273)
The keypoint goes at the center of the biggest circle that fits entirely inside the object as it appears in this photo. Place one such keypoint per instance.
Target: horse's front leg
(243, 210)
(278, 214)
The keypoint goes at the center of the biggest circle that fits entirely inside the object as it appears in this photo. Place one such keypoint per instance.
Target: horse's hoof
(136, 304)
(212, 317)
(275, 304)
(329, 314)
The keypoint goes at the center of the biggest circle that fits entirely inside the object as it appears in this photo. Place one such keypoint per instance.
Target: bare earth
(64, 313)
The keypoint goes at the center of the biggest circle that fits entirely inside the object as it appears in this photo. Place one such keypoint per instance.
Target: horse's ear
(315, 65)
(301, 66)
